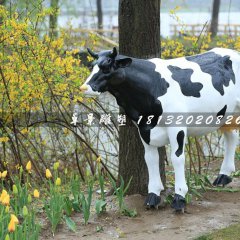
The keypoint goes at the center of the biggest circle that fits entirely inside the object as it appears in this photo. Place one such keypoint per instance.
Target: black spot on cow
(183, 77)
(222, 112)
(145, 135)
(180, 140)
(220, 68)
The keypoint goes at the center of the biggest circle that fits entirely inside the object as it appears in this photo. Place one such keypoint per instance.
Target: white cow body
(159, 135)
(197, 93)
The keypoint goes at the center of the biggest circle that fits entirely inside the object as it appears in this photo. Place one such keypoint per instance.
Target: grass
(228, 233)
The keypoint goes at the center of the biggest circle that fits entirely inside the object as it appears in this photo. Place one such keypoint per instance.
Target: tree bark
(139, 36)
(214, 21)
(53, 19)
(99, 14)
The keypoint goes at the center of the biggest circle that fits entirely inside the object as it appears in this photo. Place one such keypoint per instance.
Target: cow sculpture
(146, 89)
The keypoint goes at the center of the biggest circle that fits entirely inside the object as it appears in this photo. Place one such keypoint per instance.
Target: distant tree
(53, 19)
(214, 20)
(139, 36)
(99, 14)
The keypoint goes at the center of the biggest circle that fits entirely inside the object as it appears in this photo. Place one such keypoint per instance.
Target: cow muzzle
(88, 91)
(84, 88)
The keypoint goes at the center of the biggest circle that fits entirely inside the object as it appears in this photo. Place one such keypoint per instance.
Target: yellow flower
(25, 130)
(48, 173)
(14, 218)
(29, 166)
(36, 193)
(99, 159)
(4, 174)
(58, 181)
(0, 175)
(4, 139)
(3, 194)
(11, 226)
(56, 165)
(5, 198)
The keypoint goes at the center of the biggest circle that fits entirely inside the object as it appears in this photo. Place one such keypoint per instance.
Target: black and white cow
(208, 82)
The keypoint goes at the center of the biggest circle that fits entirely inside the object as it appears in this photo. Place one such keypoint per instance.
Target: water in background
(110, 20)
(82, 13)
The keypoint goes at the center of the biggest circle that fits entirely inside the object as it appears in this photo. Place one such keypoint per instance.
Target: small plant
(11, 228)
(120, 193)
(55, 205)
(86, 202)
(70, 223)
(101, 203)
(100, 206)
(75, 188)
(29, 228)
(4, 212)
(20, 191)
(196, 184)
(236, 174)
(54, 208)
(73, 198)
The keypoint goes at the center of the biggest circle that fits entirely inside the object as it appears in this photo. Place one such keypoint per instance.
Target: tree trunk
(214, 21)
(99, 14)
(53, 19)
(139, 36)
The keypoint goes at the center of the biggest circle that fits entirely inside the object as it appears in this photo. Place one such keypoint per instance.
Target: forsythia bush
(39, 77)
(190, 45)
(34, 70)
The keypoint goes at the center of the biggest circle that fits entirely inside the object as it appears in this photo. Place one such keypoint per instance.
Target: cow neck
(139, 91)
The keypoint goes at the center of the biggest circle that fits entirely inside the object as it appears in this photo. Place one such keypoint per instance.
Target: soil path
(216, 210)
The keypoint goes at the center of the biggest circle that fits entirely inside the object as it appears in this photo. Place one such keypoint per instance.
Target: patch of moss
(229, 233)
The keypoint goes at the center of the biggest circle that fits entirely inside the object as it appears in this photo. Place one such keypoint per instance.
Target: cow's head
(107, 70)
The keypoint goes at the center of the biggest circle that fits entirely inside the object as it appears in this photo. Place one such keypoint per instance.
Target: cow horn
(94, 55)
(113, 53)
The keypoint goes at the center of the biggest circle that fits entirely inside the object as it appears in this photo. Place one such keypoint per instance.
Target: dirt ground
(216, 210)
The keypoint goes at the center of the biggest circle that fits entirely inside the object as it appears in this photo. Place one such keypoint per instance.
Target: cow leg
(155, 184)
(228, 166)
(177, 141)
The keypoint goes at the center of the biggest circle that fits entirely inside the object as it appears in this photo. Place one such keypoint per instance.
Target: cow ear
(123, 62)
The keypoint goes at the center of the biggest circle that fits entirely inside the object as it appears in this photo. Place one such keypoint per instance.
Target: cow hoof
(222, 179)
(178, 203)
(152, 201)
